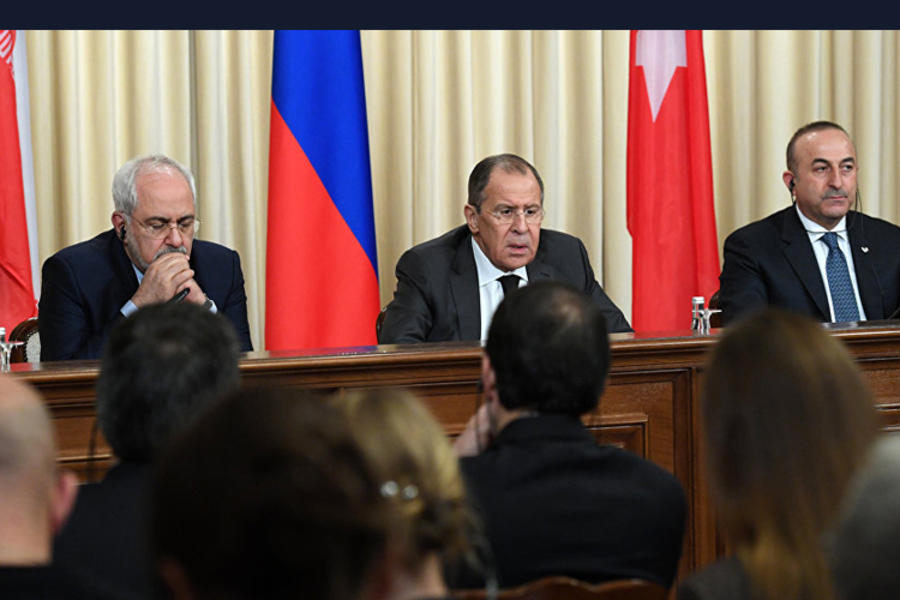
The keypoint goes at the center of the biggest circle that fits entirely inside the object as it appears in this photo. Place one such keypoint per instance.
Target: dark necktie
(509, 283)
(842, 296)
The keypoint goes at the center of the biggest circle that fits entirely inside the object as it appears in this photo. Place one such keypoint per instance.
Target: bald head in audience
(35, 496)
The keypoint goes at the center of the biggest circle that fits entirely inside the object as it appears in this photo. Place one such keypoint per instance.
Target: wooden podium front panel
(651, 404)
(883, 376)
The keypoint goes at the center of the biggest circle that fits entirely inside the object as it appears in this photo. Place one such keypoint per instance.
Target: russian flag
(321, 267)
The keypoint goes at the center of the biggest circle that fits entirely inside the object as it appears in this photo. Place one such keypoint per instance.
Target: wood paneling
(650, 405)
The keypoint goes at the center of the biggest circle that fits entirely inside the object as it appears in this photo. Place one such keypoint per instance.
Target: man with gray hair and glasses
(149, 256)
(448, 288)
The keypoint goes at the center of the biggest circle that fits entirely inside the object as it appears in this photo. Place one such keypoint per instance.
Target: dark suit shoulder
(725, 579)
(444, 245)
(210, 249)
(96, 247)
(554, 237)
(869, 225)
(764, 228)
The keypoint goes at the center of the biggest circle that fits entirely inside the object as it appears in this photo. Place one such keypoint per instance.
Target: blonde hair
(788, 419)
(410, 450)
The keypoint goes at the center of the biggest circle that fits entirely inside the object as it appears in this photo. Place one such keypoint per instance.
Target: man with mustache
(449, 287)
(150, 256)
(816, 257)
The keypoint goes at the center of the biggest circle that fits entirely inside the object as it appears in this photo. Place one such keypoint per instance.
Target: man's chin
(516, 261)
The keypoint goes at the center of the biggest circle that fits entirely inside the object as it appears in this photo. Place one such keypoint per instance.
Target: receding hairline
(479, 179)
(806, 130)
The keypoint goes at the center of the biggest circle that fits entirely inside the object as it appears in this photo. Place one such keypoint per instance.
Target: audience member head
(788, 418)
(821, 172)
(547, 350)
(412, 457)
(866, 546)
(162, 366)
(269, 495)
(155, 208)
(35, 497)
(505, 210)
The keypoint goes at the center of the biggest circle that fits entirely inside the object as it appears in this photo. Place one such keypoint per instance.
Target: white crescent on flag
(660, 52)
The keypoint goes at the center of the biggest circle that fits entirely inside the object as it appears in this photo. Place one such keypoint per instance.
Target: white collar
(812, 227)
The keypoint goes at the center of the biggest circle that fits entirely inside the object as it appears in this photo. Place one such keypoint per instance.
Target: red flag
(671, 216)
(321, 267)
(17, 301)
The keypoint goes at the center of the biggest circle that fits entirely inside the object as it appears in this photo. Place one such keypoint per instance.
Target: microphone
(179, 296)
(894, 314)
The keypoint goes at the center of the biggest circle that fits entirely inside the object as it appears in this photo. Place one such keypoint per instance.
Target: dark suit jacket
(84, 286)
(771, 262)
(106, 537)
(437, 297)
(50, 583)
(555, 502)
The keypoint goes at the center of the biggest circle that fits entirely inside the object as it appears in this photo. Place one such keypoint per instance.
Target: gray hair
(481, 175)
(124, 186)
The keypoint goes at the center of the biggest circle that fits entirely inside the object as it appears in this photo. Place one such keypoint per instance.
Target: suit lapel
(866, 276)
(464, 289)
(125, 284)
(799, 253)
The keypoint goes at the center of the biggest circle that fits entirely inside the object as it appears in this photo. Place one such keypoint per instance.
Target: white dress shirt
(490, 291)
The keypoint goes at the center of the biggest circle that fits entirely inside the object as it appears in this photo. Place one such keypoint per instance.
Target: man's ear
(65, 490)
(471, 218)
(788, 179)
(488, 379)
(118, 221)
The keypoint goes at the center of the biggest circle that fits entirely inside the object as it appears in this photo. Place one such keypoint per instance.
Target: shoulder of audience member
(725, 579)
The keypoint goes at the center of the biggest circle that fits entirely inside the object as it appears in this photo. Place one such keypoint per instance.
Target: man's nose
(174, 237)
(837, 179)
(519, 223)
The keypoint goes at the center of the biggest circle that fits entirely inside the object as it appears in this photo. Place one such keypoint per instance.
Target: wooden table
(651, 405)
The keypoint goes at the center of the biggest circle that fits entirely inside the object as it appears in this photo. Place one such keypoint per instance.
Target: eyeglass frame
(536, 219)
(165, 227)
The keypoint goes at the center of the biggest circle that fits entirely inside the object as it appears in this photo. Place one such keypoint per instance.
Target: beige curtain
(438, 101)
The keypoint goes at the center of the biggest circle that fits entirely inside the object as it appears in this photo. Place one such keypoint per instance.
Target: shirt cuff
(128, 308)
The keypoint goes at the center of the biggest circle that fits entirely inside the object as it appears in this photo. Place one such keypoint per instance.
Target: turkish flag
(671, 216)
(18, 253)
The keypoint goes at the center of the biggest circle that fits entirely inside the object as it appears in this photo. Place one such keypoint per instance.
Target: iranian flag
(18, 229)
(671, 216)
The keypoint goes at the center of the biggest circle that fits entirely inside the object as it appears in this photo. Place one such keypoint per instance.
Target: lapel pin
(865, 249)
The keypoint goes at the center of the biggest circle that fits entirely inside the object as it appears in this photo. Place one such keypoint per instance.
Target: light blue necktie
(842, 296)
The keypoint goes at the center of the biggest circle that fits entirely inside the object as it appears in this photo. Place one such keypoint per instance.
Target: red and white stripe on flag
(671, 215)
(18, 244)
